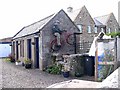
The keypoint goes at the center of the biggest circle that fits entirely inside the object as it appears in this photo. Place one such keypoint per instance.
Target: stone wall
(85, 19)
(112, 24)
(48, 37)
(119, 12)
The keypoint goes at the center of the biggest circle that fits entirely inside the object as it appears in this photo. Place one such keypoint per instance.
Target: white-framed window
(80, 28)
(102, 30)
(115, 30)
(89, 29)
(109, 30)
(95, 29)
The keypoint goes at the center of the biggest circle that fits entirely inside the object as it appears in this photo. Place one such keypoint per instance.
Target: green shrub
(54, 69)
(113, 34)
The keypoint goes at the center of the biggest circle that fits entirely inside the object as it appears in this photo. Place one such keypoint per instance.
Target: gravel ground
(18, 77)
(13, 76)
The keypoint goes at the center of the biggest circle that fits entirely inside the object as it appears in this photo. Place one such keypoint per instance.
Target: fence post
(96, 60)
(115, 54)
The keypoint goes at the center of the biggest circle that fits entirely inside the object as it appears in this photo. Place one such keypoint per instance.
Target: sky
(15, 14)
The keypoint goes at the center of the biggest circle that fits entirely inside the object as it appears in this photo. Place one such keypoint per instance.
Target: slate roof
(103, 19)
(8, 39)
(33, 28)
(97, 22)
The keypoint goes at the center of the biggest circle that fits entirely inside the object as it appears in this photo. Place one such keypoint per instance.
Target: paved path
(18, 77)
(75, 83)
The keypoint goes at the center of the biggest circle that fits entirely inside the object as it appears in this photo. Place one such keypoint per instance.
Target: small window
(115, 30)
(109, 30)
(95, 29)
(102, 30)
(80, 28)
(89, 29)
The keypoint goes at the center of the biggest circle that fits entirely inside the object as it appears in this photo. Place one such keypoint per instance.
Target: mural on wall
(105, 54)
(61, 37)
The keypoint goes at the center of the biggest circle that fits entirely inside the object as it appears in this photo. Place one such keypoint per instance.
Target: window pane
(80, 28)
(95, 29)
(109, 30)
(102, 30)
(115, 30)
(89, 29)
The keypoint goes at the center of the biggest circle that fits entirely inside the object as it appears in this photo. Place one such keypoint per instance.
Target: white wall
(119, 12)
(118, 49)
(5, 50)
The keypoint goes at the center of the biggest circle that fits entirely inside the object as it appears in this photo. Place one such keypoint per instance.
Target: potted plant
(65, 70)
(27, 63)
(12, 58)
(18, 62)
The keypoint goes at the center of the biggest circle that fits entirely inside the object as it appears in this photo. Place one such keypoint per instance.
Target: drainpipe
(75, 44)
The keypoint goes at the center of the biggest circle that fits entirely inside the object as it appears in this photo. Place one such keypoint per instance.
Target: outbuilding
(5, 48)
(45, 38)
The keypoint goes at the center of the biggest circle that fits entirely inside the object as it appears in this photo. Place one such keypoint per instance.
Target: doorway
(29, 49)
(17, 52)
(37, 52)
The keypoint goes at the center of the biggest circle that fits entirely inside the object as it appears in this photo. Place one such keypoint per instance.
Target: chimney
(69, 9)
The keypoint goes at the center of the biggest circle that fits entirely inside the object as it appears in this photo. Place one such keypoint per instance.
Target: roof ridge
(103, 15)
(32, 24)
(39, 20)
(104, 18)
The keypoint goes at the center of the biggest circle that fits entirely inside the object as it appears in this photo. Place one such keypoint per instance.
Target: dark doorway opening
(17, 52)
(37, 52)
(29, 49)
(13, 49)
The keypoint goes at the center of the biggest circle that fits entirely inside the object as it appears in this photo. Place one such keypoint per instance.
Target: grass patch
(7, 59)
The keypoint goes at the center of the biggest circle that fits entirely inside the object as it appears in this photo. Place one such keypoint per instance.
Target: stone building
(119, 13)
(90, 27)
(43, 39)
(107, 23)
(67, 32)
(83, 20)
